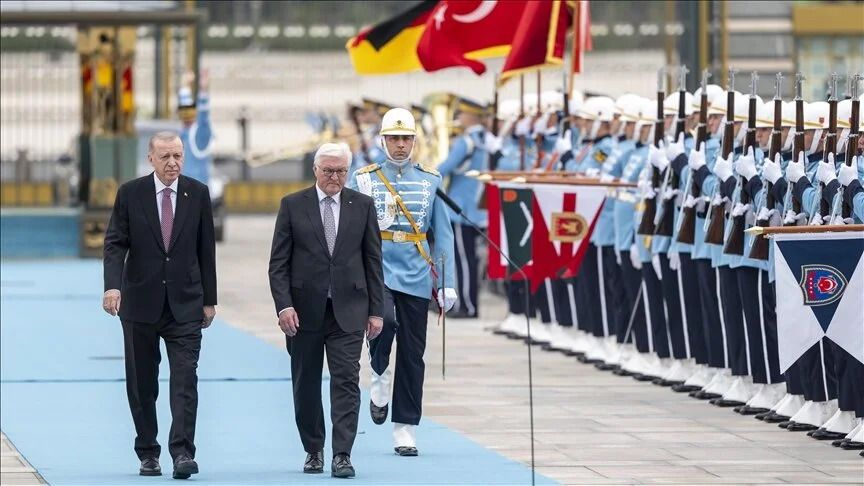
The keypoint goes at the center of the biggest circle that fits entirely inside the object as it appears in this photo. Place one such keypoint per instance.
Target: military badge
(600, 156)
(821, 284)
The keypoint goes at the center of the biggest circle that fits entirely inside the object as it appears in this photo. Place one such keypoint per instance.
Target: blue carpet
(64, 404)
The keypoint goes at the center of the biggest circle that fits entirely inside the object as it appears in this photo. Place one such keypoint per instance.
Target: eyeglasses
(331, 172)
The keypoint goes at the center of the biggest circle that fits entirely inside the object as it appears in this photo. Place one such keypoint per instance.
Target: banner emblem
(568, 227)
(821, 284)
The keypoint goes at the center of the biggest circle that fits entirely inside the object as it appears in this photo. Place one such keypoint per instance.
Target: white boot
(579, 342)
(379, 388)
(597, 350)
(679, 372)
(842, 422)
(560, 340)
(404, 439)
(613, 351)
(742, 390)
(540, 332)
(858, 432)
(721, 382)
(815, 413)
(638, 363)
(767, 396)
(510, 324)
(792, 406)
(701, 377)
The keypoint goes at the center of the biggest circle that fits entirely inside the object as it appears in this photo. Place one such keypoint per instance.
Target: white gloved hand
(697, 158)
(539, 127)
(676, 148)
(771, 169)
(447, 299)
(723, 169)
(745, 166)
(655, 262)
(848, 173)
(674, 260)
(523, 127)
(657, 156)
(635, 259)
(606, 177)
(592, 172)
(795, 169)
(564, 144)
(825, 172)
(493, 144)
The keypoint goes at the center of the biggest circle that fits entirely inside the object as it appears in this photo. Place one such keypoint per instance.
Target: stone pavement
(591, 427)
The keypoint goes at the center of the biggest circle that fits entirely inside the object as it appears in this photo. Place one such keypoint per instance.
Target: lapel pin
(185, 194)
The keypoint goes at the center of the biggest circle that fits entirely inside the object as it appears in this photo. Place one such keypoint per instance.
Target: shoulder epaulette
(430, 170)
(368, 168)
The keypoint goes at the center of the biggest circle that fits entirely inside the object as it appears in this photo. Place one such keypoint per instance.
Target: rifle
(735, 240)
(716, 218)
(830, 146)
(793, 205)
(666, 221)
(494, 158)
(854, 133)
(759, 250)
(646, 226)
(687, 221)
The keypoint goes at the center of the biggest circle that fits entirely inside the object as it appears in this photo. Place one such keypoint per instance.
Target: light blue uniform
(405, 270)
(594, 158)
(604, 231)
(509, 154)
(625, 205)
(684, 178)
(468, 152)
(758, 201)
(375, 153)
(701, 250)
(197, 141)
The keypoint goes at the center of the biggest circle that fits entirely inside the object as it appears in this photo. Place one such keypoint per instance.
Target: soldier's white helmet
(397, 121)
(670, 104)
(742, 106)
(716, 100)
(788, 121)
(765, 115)
(647, 113)
(576, 101)
(530, 103)
(844, 123)
(600, 108)
(551, 101)
(628, 105)
(508, 109)
(815, 118)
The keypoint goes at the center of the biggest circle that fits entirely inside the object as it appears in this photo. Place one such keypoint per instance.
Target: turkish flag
(459, 32)
(540, 39)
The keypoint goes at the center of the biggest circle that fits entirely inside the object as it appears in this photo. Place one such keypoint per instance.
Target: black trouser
(465, 239)
(672, 298)
(816, 366)
(631, 283)
(617, 310)
(655, 317)
(343, 360)
(691, 308)
(733, 321)
(141, 343)
(850, 379)
(760, 318)
(565, 301)
(545, 299)
(516, 290)
(712, 318)
(589, 308)
(405, 321)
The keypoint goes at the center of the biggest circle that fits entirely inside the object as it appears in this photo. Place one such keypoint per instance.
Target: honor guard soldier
(371, 119)
(197, 133)
(467, 153)
(408, 207)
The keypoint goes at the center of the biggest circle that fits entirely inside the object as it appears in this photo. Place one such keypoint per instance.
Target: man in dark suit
(328, 286)
(160, 255)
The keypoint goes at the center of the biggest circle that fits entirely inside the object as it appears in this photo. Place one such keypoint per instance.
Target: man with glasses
(327, 284)
(407, 208)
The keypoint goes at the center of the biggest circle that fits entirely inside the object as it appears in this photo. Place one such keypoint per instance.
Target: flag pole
(538, 139)
(521, 115)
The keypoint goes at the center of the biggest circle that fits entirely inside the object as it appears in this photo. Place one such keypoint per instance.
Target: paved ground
(591, 427)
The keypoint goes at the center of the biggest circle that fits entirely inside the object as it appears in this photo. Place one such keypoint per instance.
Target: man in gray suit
(328, 285)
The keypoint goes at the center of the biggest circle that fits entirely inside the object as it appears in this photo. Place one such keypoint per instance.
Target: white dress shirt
(337, 204)
(159, 187)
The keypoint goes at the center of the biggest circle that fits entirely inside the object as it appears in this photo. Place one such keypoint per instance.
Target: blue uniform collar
(601, 138)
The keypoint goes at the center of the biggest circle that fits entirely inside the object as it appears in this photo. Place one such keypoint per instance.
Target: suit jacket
(137, 263)
(301, 268)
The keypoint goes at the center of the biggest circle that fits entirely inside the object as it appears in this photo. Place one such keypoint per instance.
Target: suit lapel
(147, 198)
(313, 210)
(183, 202)
(345, 213)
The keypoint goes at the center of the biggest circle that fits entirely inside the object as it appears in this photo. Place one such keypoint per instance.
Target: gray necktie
(329, 223)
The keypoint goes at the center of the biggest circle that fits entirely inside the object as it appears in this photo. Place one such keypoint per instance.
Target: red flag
(540, 38)
(460, 31)
(581, 36)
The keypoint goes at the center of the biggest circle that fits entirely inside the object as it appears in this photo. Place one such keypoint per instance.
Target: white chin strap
(842, 139)
(817, 135)
(787, 144)
(383, 144)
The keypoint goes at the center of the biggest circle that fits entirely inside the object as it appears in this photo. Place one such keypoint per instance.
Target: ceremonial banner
(543, 228)
(540, 39)
(390, 47)
(820, 284)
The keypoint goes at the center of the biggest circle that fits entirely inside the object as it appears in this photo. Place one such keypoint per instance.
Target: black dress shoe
(683, 388)
(776, 418)
(838, 443)
(763, 415)
(748, 410)
(623, 372)
(341, 467)
(703, 395)
(722, 402)
(822, 434)
(663, 382)
(852, 446)
(606, 366)
(641, 377)
(314, 463)
(406, 451)
(577, 354)
(150, 467)
(184, 466)
(461, 314)
(799, 427)
(587, 360)
(379, 414)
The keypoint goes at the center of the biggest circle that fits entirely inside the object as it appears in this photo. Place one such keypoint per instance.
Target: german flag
(391, 46)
